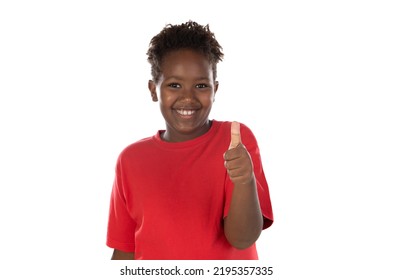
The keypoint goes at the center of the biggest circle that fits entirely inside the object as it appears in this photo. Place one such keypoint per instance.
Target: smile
(184, 112)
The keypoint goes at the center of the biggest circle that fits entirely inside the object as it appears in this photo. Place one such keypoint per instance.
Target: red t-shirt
(169, 199)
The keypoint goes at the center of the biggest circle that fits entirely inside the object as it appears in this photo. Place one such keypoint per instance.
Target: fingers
(235, 135)
(235, 149)
(237, 159)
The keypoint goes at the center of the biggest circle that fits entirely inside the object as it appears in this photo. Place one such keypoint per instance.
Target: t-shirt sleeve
(250, 142)
(121, 226)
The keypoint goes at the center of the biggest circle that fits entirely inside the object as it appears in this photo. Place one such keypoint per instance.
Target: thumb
(235, 135)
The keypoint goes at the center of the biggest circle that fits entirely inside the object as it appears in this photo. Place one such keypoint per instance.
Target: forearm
(120, 255)
(244, 221)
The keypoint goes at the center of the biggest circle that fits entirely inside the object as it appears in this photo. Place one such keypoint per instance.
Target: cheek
(165, 98)
(208, 99)
(167, 101)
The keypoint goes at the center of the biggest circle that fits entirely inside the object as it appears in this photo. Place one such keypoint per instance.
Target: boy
(197, 189)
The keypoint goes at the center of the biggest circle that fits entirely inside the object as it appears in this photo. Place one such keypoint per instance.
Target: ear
(215, 90)
(153, 92)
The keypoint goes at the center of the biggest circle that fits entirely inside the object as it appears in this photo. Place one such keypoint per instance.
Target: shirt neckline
(189, 143)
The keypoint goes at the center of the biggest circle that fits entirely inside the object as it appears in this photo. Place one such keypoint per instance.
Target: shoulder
(136, 149)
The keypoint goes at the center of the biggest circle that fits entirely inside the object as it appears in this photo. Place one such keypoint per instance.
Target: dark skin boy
(185, 92)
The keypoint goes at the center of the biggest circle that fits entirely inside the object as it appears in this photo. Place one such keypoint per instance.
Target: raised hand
(237, 159)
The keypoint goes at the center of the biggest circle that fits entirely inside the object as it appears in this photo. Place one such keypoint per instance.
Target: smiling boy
(197, 189)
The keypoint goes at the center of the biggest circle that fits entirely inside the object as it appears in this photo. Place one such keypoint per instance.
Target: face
(185, 92)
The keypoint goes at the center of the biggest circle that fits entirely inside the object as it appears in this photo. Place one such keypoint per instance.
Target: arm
(244, 221)
(121, 255)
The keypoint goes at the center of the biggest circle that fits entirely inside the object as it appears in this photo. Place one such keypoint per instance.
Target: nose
(188, 93)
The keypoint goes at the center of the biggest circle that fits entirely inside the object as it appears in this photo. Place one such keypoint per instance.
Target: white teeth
(185, 112)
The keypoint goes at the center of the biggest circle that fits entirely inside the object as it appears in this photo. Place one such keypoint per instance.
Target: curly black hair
(188, 35)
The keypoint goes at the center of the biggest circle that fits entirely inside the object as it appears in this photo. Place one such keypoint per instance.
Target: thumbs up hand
(237, 159)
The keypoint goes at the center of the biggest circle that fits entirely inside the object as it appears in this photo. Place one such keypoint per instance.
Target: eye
(201, 86)
(174, 85)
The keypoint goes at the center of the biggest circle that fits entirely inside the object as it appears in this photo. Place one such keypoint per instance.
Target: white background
(312, 79)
